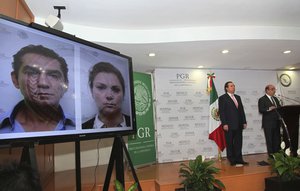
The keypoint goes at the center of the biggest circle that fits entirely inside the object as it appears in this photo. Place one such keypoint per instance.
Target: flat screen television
(77, 90)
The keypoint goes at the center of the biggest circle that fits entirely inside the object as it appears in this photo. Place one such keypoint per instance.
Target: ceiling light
(200, 66)
(292, 68)
(151, 54)
(225, 51)
(54, 21)
(287, 51)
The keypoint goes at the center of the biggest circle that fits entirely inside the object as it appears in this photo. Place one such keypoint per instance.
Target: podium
(290, 115)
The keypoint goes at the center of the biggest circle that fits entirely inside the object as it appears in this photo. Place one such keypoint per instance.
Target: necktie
(274, 102)
(234, 100)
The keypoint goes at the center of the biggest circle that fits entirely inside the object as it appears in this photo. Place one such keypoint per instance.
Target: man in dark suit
(233, 120)
(267, 105)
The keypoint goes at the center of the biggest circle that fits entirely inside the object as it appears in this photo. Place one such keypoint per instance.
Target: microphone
(288, 99)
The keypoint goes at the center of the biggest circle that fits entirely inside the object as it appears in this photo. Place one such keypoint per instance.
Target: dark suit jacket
(229, 114)
(90, 123)
(269, 118)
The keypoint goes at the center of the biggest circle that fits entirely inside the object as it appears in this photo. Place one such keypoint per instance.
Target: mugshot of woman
(107, 88)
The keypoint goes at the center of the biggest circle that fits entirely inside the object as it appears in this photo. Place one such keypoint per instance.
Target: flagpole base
(219, 158)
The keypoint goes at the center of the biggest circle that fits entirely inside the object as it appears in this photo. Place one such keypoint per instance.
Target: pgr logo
(142, 97)
(182, 76)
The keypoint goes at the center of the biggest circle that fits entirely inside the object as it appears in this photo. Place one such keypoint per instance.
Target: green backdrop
(141, 146)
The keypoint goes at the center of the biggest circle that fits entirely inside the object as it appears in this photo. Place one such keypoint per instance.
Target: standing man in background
(267, 106)
(233, 120)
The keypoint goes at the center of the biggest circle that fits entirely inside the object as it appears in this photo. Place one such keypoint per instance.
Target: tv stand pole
(78, 165)
(28, 156)
(116, 158)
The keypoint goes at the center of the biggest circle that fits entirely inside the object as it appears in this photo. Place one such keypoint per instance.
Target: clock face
(285, 80)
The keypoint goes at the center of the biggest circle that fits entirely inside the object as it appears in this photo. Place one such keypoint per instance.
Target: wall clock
(285, 80)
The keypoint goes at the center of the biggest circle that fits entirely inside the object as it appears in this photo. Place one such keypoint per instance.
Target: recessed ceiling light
(225, 51)
(292, 68)
(287, 51)
(200, 66)
(151, 54)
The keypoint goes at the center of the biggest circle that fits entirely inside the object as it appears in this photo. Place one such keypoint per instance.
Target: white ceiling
(186, 33)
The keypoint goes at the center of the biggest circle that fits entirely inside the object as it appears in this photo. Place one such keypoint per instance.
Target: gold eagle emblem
(215, 114)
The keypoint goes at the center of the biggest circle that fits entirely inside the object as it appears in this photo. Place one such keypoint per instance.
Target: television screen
(55, 87)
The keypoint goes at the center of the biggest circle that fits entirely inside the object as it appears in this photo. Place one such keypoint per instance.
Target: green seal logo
(215, 114)
(142, 97)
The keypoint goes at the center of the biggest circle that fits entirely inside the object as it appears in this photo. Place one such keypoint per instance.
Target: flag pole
(215, 128)
(219, 155)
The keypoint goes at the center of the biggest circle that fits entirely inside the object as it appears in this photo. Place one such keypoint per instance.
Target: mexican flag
(216, 132)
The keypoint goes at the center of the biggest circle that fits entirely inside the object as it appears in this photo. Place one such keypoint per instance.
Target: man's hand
(272, 108)
(225, 127)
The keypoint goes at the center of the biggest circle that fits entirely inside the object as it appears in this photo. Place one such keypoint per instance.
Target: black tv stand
(78, 165)
(28, 156)
(116, 158)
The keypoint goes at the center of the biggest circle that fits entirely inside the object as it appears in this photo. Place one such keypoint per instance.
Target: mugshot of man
(41, 75)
